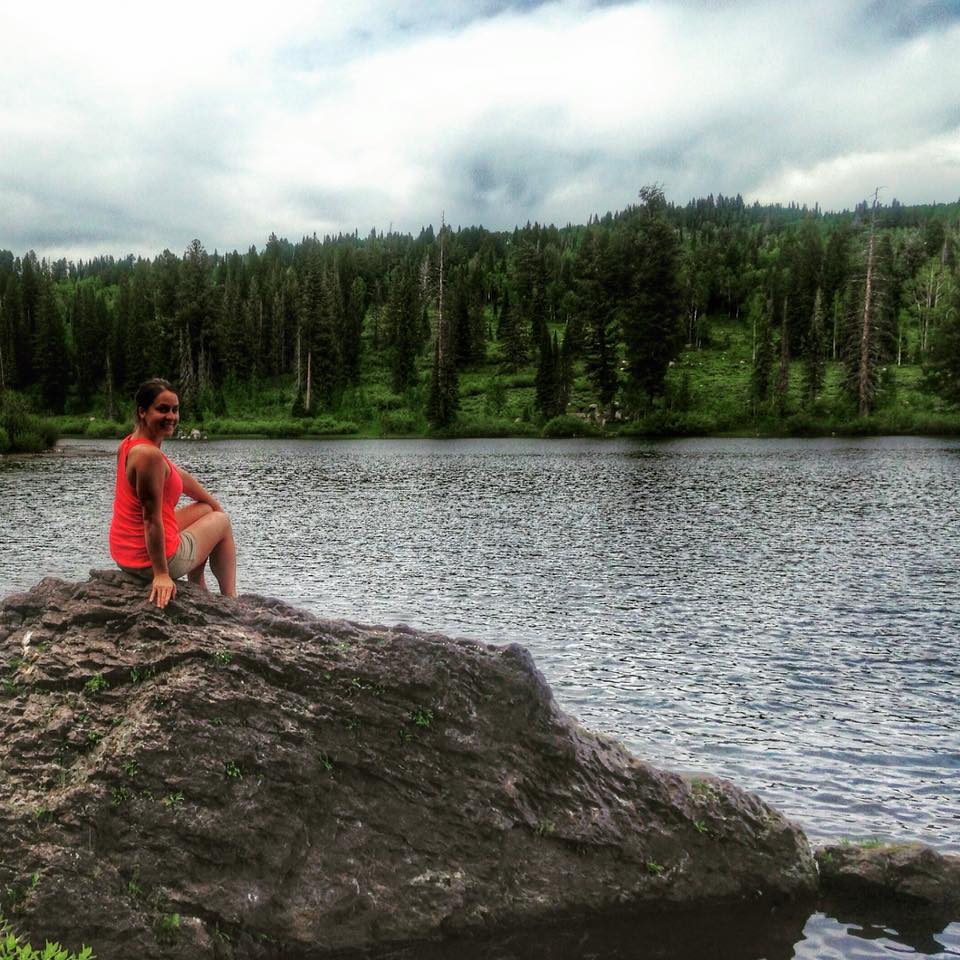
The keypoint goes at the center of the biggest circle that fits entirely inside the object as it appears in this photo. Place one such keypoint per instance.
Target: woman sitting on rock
(149, 536)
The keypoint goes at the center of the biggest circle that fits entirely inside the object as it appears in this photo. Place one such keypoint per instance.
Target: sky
(133, 128)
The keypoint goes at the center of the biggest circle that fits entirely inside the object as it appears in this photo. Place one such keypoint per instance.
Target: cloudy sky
(130, 127)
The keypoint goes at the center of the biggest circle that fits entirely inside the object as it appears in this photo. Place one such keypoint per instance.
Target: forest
(660, 319)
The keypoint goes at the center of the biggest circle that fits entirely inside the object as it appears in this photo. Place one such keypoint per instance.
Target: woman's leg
(187, 516)
(214, 537)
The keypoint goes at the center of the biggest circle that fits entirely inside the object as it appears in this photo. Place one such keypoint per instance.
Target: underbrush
(13, 947)
(318, 426)
(21, 431)
(567, 425)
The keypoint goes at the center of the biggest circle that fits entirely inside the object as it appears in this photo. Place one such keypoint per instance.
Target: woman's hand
(163, 590)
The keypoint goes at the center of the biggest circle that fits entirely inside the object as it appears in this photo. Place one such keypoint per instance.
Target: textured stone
(909, 875)
(237, 778)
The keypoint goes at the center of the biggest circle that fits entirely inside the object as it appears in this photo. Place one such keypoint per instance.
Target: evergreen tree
(547, 379)
(761, 380)
(402, 319)
(596, 307)
(815, 353)
(512, 334)
(651, 327)
(942, 366)
(51, 360)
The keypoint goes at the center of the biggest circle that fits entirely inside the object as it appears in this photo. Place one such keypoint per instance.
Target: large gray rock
(241, 779)
(907, 875)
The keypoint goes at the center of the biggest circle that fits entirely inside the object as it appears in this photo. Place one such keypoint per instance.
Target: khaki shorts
(179, 565)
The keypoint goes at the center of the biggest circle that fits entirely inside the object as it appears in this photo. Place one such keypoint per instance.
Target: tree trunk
(309, 379)
(783, 377)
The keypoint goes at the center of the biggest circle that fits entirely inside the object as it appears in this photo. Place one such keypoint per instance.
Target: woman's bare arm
(195, 490)
(148, 476)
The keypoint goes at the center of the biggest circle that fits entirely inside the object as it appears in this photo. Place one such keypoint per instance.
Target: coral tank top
(128, 544)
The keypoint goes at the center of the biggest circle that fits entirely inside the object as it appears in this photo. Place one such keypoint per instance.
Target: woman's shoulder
(143, 452)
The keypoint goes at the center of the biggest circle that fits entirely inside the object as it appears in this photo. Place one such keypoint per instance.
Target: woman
(149, 536)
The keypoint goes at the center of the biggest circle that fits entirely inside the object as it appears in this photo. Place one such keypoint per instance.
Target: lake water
(783, 613)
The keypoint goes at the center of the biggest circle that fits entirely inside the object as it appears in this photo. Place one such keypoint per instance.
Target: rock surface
(909, 875)
(241, 779)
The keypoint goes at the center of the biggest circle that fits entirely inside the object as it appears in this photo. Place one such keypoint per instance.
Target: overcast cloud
(136, 127)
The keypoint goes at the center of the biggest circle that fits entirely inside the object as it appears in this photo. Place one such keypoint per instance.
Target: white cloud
(131, 127)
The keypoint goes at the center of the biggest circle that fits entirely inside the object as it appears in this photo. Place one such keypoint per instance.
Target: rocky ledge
(240, 779)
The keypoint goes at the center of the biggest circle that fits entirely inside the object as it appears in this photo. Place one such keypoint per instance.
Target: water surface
(782, 613)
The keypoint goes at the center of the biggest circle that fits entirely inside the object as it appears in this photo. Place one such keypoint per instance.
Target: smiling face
(160, 419)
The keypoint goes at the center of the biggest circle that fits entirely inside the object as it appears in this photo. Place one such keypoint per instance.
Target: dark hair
(148, 391)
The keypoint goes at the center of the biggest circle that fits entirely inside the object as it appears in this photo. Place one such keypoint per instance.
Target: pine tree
(814, 352)
(651, 326)
(402, 319)
(597, 311)
(546, 381)
(51, 360)
(761, 379)
(512, 334)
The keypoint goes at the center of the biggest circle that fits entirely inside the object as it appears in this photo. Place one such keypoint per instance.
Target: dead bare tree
(865, 379)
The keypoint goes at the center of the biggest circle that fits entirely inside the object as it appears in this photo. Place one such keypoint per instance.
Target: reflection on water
(783, 613)
(783, 933)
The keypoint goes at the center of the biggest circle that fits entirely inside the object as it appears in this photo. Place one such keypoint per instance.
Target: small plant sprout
(129, 767)
(422, 717)
(700, 825)
(223, 657)
(95, 684)
(119, 795)
(233, 770)
(654, 868)
(173, 799)
(325, 761)
(167, 927)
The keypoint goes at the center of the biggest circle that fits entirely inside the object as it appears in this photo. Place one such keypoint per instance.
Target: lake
(783, 613)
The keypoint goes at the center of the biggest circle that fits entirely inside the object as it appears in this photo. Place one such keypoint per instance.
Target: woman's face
(163, 415)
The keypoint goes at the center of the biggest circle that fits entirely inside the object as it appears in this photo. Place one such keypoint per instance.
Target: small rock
(911, 874)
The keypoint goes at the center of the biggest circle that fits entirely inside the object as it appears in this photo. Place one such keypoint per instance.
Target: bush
(25, 432)
(672, 423)
(328, 427)
(4, 440)
(72, 426)
(12, 947)
(105, 429)
(567, 425)
(259, 428)
(25, 440)
(398, 421)
(482, 428)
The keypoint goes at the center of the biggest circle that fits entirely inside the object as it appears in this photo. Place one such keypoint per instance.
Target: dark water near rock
(782, 613)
